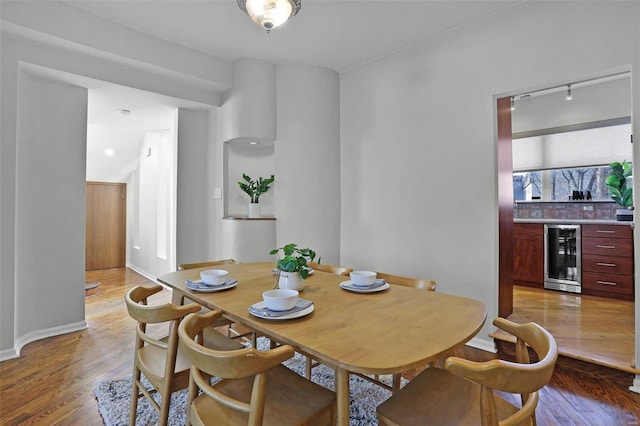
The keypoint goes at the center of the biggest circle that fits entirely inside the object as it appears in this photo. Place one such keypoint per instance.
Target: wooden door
(106, 225)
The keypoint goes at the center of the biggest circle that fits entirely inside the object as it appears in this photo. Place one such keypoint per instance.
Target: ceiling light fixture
(513, 104)
(109, 152)
(123, 111)
(270, 14)
(569, 94)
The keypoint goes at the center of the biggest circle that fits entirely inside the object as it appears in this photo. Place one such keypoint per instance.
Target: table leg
(177, 298)
(342, 396)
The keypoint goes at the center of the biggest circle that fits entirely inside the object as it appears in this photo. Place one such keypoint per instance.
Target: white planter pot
(254, 210)
(291, 280)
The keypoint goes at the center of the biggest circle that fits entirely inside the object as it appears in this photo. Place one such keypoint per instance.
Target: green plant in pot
(292, 265)
(617, 182)
(254, 188)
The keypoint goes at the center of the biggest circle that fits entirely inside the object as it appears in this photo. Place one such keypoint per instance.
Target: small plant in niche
(255, 188)
(294, 259)
(617, 183)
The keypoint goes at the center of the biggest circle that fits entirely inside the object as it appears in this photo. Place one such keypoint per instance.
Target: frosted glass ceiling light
(569, 94)
(270, 14)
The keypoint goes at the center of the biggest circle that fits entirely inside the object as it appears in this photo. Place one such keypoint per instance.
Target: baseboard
(47, 332)
(143, 273)
(636, 384)
(484, 345)
(8, 354)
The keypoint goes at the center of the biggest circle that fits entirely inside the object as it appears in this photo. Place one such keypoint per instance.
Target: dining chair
(255, 388)
(222, 322)
(464, 392)
(157, 356)
(332, 269)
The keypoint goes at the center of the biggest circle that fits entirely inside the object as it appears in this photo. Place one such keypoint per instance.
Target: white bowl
(280, 299)
(214, 276)
(363, 278)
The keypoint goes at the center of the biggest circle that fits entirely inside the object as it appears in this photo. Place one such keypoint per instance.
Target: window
(552, 163)
(559, 184)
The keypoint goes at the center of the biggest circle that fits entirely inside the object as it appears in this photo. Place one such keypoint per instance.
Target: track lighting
(569, 94)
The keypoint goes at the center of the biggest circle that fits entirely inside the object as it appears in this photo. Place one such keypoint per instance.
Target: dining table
(389, 330)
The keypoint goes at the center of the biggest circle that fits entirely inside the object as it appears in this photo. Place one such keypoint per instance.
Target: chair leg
(134, 396)
(307, 367)
(395, 384)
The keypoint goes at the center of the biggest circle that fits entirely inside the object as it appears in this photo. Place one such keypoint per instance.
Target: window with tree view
(560, 184)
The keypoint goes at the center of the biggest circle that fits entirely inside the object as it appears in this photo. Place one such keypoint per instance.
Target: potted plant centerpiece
(255, 188)
(617, 183)
(292, 266)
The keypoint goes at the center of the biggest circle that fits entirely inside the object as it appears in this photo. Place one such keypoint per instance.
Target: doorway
(567, 305)
(105, 225)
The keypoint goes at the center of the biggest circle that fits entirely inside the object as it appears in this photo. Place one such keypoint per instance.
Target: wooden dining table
(385, 332)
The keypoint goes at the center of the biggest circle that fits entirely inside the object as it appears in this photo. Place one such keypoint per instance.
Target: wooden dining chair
(156, 355)
(255, 388)
(332, 269)
(464, 392)
(222, 322)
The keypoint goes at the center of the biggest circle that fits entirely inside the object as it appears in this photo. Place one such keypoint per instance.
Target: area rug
(114, 397)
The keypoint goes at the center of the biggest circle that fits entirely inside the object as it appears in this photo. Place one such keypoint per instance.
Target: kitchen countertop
(574, 221)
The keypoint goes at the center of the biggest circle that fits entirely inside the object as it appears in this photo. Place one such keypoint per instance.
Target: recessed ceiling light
(124, 111)
(109, 152)
(254, 143)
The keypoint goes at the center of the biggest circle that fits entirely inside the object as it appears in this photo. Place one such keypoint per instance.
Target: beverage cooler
(562, 257)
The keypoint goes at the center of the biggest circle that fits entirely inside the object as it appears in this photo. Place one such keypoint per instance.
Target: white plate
(348, 285)
(211, 289)
(297, 314)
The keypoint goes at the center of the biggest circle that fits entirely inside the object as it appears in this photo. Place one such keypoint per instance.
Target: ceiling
(337, 34)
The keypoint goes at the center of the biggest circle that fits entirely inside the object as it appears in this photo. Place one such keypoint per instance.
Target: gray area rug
(114, 397)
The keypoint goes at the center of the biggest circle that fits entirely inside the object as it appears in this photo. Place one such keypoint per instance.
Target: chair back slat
(184, 266)
(332, 269)
(417, 283)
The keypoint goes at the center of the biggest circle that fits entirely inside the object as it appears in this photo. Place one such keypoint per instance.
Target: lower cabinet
(528, 254)
(607, 261)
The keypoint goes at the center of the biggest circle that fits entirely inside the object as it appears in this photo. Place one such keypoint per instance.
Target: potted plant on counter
(255, 188)
(618, 190)
(292, 265)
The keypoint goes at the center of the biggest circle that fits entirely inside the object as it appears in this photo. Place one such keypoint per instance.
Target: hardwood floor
(52, 383)
(588, 328)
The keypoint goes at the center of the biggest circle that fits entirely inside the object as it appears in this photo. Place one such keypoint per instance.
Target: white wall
(602, 101)
(418, 145)
(195, 208)
(153, 245)
(50, 203)
(307, 205)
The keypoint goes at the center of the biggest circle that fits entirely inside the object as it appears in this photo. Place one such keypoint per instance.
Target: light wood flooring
(589, 328)
(52, 382)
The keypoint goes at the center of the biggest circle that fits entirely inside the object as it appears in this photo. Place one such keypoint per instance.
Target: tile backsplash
(588, 210)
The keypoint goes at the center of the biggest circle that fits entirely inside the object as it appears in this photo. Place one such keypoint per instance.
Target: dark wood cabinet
(528, 254)
(607, 261)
